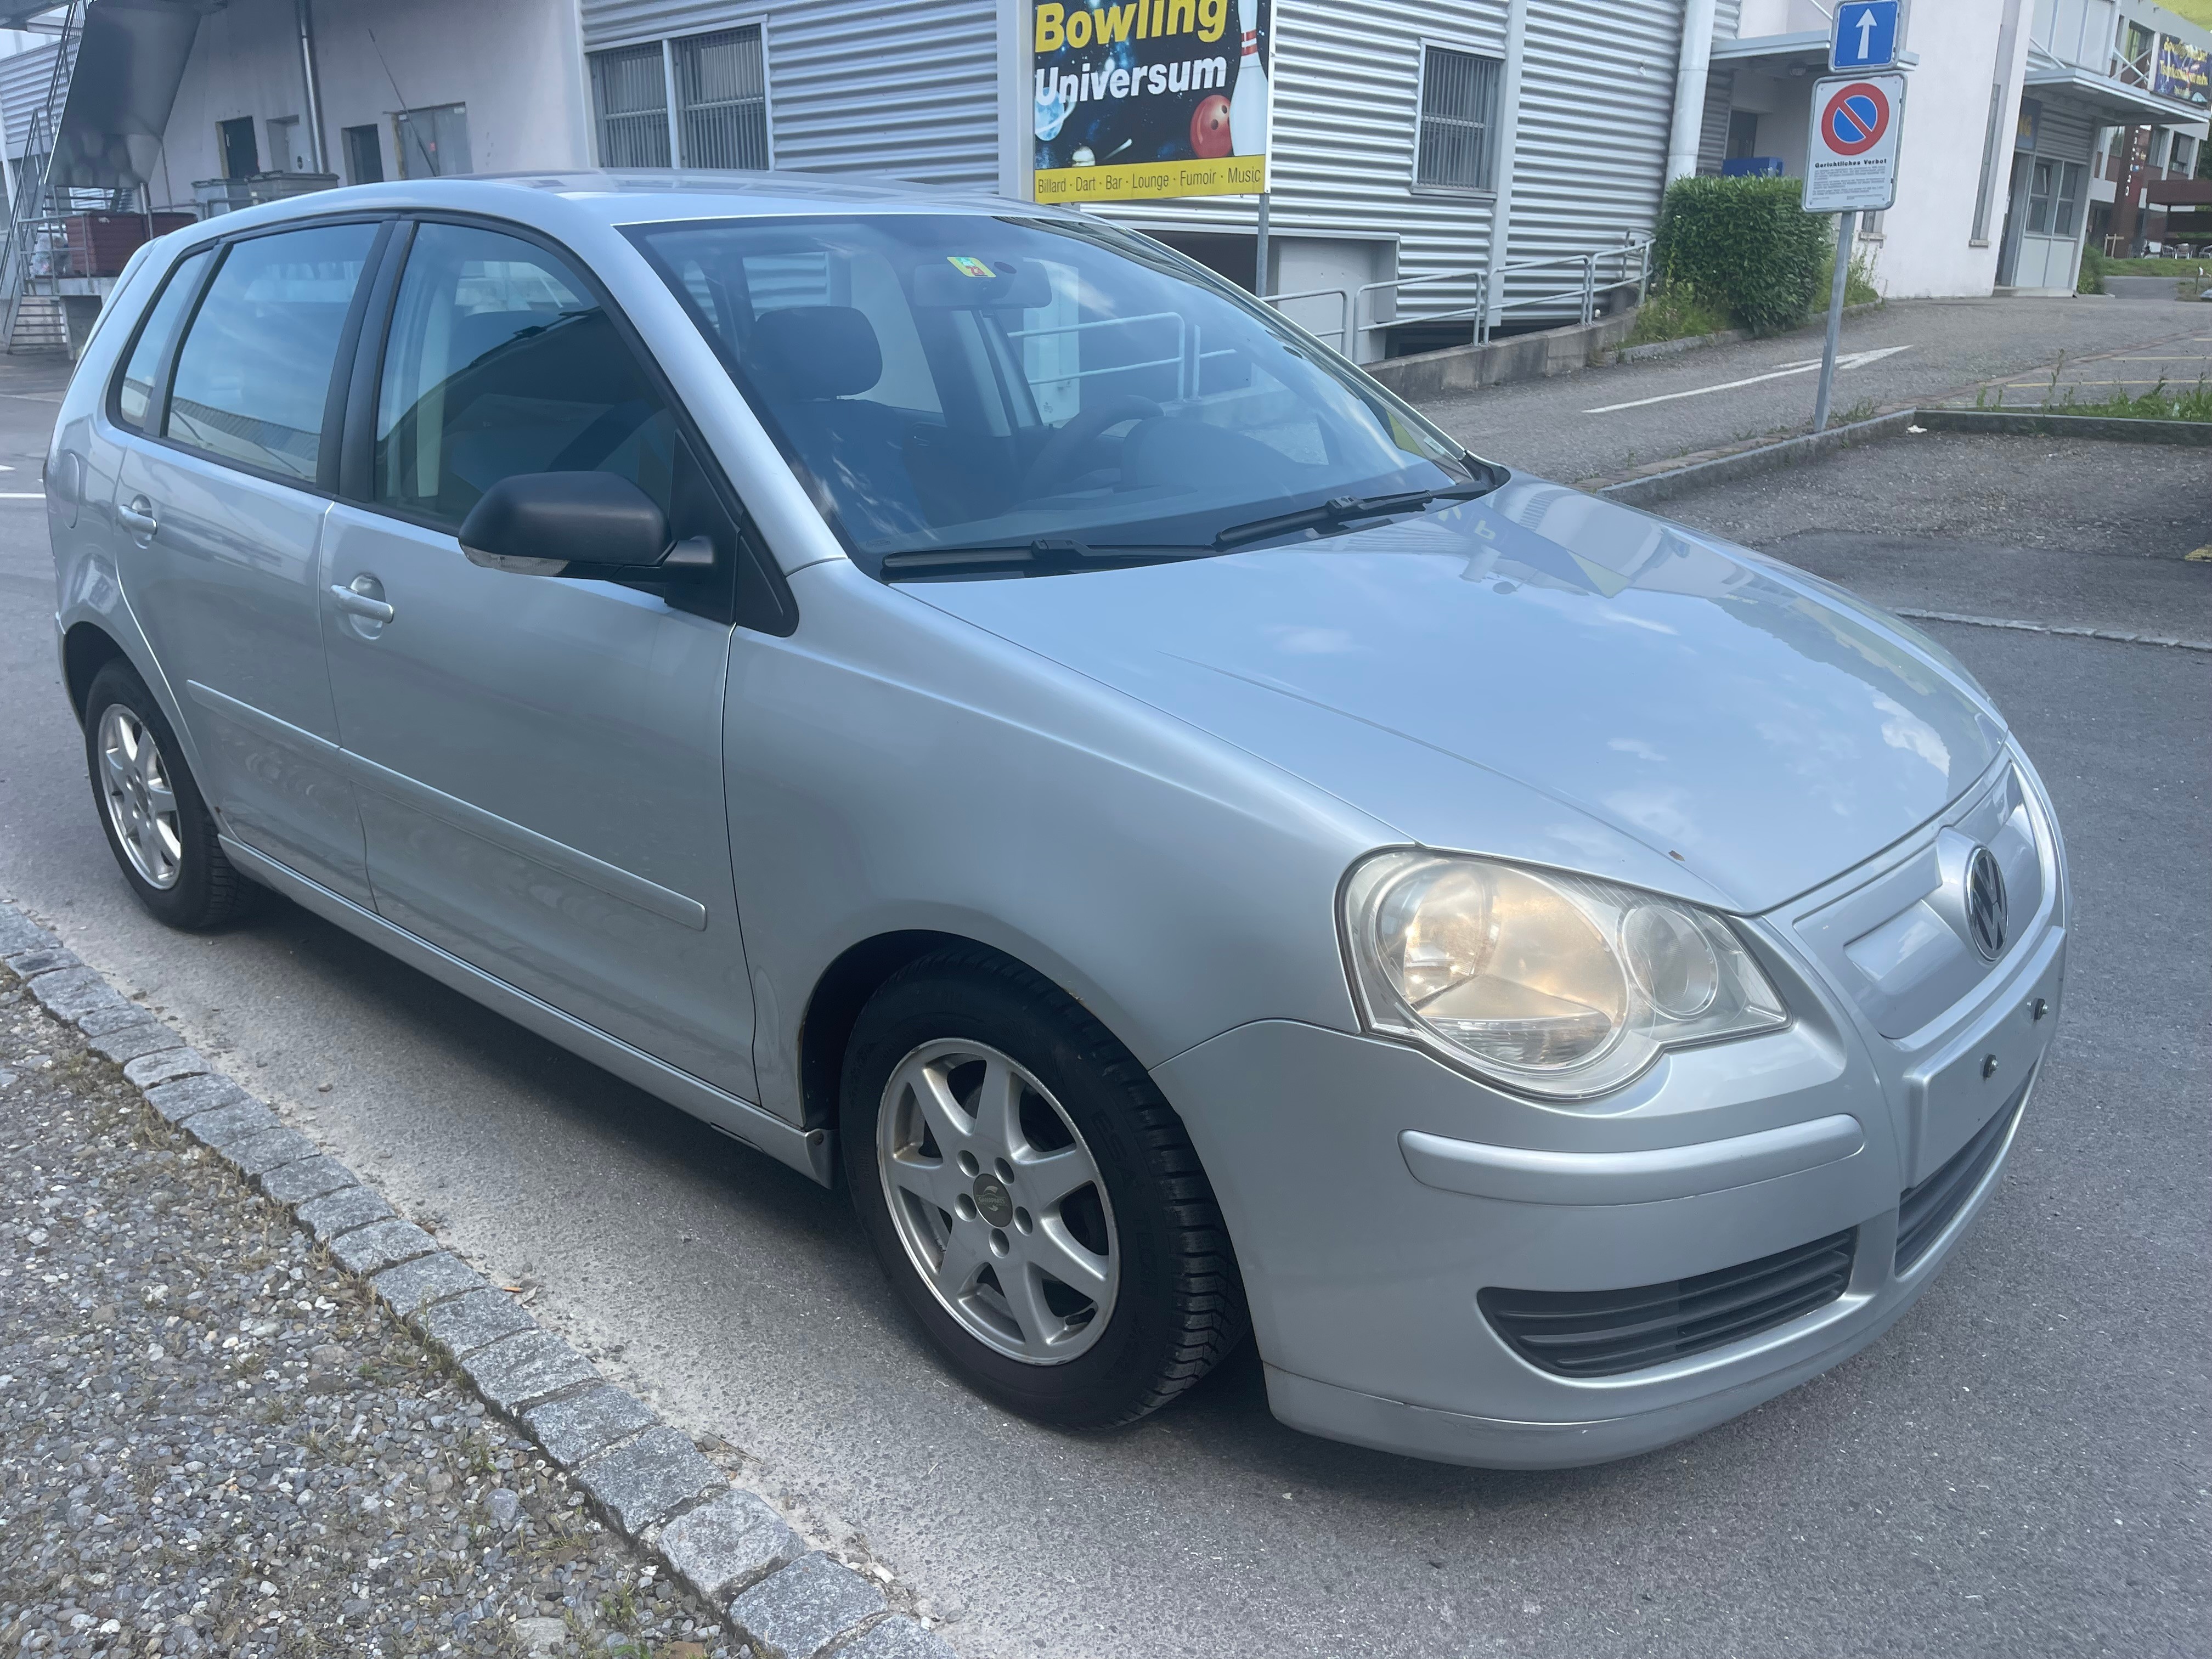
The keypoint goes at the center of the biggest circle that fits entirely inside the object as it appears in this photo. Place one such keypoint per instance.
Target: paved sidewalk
(1603, 424)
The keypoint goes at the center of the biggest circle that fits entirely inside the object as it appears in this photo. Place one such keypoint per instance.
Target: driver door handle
(356, 603)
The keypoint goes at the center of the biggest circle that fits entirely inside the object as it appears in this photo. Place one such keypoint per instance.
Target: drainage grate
(1924, 1211)
(1602, 1333)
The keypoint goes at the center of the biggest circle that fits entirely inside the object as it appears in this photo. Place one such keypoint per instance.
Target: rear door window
(501, 361)
(135, 393)
(253, 374)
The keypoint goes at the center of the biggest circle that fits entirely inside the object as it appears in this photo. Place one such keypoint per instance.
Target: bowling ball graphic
(1209, 127)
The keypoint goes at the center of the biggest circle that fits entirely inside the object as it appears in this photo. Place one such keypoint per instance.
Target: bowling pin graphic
(1248, 105)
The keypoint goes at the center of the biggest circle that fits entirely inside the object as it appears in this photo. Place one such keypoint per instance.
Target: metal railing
(1585, 278)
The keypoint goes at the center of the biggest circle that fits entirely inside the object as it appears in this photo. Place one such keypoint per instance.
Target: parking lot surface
(2019, 1467)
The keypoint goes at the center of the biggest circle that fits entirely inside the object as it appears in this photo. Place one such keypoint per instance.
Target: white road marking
(1848, 360)
(22, 495)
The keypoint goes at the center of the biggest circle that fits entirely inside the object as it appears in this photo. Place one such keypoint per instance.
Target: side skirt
(804, 1150)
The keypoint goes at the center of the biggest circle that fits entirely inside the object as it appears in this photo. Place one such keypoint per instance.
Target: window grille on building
(1458, 113)
(630, 86)
(723, 91)
(719, 85)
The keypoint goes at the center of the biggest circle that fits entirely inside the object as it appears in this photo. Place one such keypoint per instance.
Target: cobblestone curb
(645, 1479)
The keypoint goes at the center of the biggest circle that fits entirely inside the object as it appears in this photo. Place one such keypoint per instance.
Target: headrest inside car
(806, 352)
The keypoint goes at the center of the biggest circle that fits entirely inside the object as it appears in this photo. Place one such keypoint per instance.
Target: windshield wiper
(1046, 556)
(1343, 509)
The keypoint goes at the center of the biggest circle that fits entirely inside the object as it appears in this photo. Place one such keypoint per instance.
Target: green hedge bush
(2092, 280)
(1747, 244)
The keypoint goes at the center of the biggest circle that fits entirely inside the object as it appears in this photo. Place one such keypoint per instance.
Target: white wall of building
(514, 63)
(1928, 247)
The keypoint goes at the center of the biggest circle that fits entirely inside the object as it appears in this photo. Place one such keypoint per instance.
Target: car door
(221, 490)
(538, 759)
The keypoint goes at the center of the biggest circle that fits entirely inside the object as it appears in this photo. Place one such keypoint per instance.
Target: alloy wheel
(142, 804)
(997, 1201)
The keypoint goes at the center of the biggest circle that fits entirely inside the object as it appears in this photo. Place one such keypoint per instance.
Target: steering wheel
(1079, 435)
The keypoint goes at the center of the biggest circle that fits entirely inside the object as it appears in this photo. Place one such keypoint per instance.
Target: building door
(241, 154)
(364, 156)
(539, 760)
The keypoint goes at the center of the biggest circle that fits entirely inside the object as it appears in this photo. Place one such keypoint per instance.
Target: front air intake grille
(1602, 1333)
(1924, 1211)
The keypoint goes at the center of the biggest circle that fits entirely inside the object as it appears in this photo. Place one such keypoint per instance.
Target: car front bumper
(1373, 1192)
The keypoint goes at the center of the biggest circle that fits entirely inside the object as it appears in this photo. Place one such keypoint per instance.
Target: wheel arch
(87, 648)
(834, 1007)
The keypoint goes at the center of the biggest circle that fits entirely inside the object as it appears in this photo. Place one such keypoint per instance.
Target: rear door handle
(137, 517)
(356, 603)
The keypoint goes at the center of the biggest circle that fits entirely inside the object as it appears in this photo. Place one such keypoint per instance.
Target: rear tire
(1069, 1263)
(158, 827)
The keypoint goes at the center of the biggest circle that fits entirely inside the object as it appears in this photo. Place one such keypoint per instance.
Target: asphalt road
(2019, 1467)
(1939, 351)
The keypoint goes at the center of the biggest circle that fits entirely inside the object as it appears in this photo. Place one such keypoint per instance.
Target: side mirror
(575, 524)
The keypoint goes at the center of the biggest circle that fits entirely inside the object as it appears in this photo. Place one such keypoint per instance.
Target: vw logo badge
(1985, 904)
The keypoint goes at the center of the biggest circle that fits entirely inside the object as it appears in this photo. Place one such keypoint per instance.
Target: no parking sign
(1851, 163)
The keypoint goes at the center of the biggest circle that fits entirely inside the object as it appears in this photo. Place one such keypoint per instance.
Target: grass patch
(2161, 402)
(1677, 312)
(2156, 267)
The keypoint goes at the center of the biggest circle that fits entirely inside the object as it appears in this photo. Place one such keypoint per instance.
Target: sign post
(1850, 166)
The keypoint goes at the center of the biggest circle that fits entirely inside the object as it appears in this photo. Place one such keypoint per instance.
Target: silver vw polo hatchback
(968, 703)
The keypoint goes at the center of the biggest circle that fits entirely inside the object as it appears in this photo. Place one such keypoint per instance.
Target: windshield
(954, 383)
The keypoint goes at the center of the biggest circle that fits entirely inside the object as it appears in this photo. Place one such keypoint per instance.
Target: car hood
(1547, 676)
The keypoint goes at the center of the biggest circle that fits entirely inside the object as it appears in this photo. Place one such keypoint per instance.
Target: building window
(722, 85)
(2040, 197)
(2068, 217)
(630, 86)
(433, 143)
(1459, 110)
(717, 85)
(364, 156)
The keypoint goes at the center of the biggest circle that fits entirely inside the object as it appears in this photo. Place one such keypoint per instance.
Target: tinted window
(135, 396)
(500, 361)
(255, 367)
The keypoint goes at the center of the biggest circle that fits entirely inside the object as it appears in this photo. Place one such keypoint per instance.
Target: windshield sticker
(968, 267)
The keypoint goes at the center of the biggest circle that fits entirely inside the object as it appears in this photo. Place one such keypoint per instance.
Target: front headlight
(1552, 984)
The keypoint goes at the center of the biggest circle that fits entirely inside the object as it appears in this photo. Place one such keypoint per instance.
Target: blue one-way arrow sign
(1865, 37)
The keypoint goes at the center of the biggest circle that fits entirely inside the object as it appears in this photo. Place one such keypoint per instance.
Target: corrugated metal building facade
(914, 92)
(25, 80)
(908, 91)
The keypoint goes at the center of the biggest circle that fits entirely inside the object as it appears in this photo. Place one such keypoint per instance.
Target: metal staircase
(36, 250)
(38, 257)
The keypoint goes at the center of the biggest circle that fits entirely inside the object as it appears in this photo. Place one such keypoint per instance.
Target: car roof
(625, 197)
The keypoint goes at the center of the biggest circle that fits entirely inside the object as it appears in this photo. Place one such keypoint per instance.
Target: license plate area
(1955, 1092)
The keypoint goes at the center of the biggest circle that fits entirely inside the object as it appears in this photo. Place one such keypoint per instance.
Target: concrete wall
(515, 65)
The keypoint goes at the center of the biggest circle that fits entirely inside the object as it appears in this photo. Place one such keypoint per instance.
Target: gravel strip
(244, 1409)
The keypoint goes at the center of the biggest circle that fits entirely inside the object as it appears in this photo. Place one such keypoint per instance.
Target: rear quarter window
(135, 388)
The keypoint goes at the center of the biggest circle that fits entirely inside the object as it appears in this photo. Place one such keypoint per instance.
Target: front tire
(158, 826)
(1032, 1195)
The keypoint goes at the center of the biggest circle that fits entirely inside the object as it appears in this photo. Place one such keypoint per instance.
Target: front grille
(1924, 1211)
(1602, 1333)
